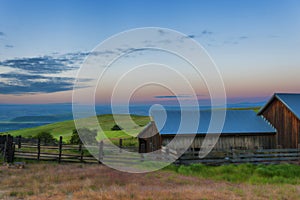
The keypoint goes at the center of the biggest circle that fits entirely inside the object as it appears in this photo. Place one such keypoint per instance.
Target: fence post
(81, 153)
(167, 151)
(100, 152)
(59, 149)
(9, 149)
(19, 141)
(120, 144)
(38, 149)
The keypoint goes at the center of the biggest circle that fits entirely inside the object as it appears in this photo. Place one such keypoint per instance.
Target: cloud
(40, 74)
(23, 83)
(243, 37)
(206, 32)
(191, 36)
(40, 65)
(172, 96)
(161, 31)
(9, 46)
(235, 40)
(273, 36)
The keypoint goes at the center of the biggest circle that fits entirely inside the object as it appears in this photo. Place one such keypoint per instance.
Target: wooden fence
(34, 149)
(235, 156)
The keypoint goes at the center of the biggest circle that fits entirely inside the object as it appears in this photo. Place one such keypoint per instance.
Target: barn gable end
(283, 112)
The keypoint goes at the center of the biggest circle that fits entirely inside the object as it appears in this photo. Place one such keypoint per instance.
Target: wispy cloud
(243, 37)
(172, 96)
(9, 46)
(236, 40)
(21, 83)
(39, 74)
(206, 32)
(40, 65)
(161, 31)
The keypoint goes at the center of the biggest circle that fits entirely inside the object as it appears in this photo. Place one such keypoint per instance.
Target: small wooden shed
(243, 129)
(283, 112)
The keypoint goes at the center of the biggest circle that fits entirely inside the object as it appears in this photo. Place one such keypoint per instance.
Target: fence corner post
(60, 149)
(9, 149)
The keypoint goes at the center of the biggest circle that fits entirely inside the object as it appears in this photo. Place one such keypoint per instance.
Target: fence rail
(267, 156)
(34, 149)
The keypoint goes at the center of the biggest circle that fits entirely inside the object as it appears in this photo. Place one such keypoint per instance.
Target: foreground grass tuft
(246, 173)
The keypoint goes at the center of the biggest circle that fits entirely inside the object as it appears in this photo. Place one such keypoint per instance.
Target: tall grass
(249, 173)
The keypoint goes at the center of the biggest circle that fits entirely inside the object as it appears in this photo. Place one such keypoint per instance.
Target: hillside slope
(65, 128)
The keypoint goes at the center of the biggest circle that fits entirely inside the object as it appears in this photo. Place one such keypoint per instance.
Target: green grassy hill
(65, 128)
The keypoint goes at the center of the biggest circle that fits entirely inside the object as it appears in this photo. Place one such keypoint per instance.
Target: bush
(45, 137)
(86, 135)
(75, 139)
(116, 128)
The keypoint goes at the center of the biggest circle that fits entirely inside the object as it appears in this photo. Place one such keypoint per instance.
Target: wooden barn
(242, 129)
(283, 112)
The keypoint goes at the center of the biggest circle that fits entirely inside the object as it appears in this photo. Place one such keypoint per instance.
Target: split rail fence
(236, 156)
(34, 149)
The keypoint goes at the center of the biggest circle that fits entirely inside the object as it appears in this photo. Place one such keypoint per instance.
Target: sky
(255, 45)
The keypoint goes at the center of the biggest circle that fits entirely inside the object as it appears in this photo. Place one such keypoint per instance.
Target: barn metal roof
(290, 100)
(236, 122)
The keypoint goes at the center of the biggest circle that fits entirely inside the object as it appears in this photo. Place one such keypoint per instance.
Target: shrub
(45, 137)
(75, 139)
(116, 128)
(86, 135)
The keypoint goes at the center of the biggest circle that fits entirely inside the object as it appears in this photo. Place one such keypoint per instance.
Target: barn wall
(224, 142)
(149, 139)
(285, 122)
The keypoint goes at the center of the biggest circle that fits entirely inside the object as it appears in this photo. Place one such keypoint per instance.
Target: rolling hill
(65, 128)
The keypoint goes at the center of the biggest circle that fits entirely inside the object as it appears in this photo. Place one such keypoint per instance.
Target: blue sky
(255, 44)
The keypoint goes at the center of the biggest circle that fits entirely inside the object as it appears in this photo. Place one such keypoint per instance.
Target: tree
(116, 128)
(86, 135)
(45, 137)
(75, 139)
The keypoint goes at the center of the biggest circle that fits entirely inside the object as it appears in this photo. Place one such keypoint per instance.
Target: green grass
(65, 128)
(249, 173)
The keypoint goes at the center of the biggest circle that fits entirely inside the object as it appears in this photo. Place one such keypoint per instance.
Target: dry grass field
(80, 181)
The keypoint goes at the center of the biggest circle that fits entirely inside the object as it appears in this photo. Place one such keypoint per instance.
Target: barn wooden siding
(286, 123)
(149, 139)
(225, 142)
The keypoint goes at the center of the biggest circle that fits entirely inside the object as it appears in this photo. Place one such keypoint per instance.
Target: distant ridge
(35, 119)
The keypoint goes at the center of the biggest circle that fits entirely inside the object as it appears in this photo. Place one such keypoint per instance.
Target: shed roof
(236, 122)
(290, 100)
